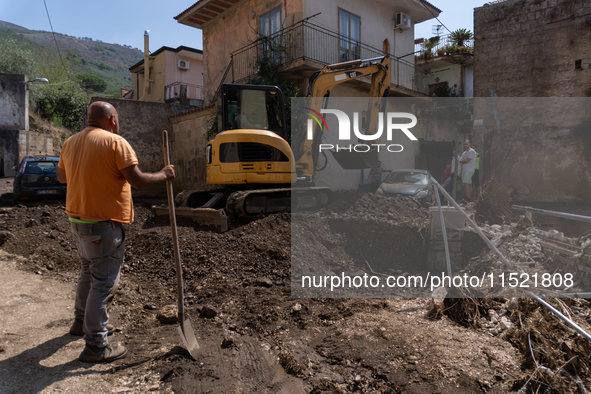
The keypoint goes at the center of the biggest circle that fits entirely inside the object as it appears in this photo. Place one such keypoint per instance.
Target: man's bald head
(103, 115)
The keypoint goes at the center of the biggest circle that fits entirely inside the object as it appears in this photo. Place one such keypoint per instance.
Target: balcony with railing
(433, 48)
(304, 48)
(180, 91)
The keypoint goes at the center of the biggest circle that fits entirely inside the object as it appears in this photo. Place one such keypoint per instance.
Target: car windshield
(407, 178)
(40, 167)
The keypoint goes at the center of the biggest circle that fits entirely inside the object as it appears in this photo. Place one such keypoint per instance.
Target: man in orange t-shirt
(100, 167)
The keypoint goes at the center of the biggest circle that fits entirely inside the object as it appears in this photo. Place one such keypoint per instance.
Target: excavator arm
(321, 84)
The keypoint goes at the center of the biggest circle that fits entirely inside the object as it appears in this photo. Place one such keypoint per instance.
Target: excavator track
(249, 203)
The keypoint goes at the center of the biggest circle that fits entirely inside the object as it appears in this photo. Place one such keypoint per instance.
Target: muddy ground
(254, 337)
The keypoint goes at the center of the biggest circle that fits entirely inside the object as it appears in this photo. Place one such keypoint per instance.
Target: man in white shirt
(468, 162)
(448, 183)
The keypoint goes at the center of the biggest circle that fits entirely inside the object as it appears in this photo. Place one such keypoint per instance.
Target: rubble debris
(168, 314)
(4, 235)
(208, 312)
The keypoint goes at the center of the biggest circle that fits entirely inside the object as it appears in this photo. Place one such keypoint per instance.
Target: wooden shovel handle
(175, 238)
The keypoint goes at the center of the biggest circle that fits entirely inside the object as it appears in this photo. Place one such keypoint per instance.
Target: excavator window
(257, 107)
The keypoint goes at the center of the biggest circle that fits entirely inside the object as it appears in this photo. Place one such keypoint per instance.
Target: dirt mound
(359, 233)
(371, 207)
(239, 300)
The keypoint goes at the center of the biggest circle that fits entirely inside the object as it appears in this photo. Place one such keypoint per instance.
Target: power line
(54, 39)
(431, 12)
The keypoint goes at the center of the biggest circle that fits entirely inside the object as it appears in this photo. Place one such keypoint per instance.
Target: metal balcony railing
(177, 89)
(305, 40)
(445, 46)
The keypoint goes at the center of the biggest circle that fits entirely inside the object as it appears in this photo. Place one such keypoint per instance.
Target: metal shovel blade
(188, 336)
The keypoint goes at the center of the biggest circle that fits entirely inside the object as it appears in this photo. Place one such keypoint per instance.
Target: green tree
(16, 58)
(91, 83)
(62, 100)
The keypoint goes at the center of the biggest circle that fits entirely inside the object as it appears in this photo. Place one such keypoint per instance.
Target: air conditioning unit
(402, 21)
(183, 64)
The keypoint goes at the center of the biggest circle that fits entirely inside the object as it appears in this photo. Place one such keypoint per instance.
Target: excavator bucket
(356, 160)
(215, 218)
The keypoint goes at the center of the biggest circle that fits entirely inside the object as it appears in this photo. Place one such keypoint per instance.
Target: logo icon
(386, 125)
(317, 117)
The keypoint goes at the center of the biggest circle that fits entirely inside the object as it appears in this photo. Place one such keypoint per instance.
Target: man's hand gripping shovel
(185, 329)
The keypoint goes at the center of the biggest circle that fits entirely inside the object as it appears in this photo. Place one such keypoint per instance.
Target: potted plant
(428, 46)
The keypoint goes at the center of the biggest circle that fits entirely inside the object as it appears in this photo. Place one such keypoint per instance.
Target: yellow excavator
(260, 167)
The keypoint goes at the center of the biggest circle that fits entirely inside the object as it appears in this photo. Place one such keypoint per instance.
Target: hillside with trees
(83, 55)
(80, 68)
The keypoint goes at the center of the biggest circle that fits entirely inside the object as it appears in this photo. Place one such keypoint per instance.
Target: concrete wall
(543, 145)
(141, 123)
(14, 102)
(38, 144)
(16, 141)
(9, 151)
(189, 141)
(528, 48)
(14, 121)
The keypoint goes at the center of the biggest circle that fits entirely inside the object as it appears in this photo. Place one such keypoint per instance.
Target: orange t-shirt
(97, 190)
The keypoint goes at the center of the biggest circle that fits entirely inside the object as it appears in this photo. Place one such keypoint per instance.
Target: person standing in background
(476, 176)
(374, 179)
(449, 182)
(468, 161)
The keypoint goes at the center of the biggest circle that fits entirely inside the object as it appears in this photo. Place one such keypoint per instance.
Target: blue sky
(124, 21)
(116, 22)
(455, 15)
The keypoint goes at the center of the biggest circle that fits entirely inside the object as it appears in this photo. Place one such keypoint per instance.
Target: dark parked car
(408, 183)
(36, 178)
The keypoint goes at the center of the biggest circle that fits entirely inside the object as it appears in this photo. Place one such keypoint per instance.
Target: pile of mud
(389, 233)
(372, 234)
(243, 276)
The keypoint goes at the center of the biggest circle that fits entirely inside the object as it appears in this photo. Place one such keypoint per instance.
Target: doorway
(433, 156)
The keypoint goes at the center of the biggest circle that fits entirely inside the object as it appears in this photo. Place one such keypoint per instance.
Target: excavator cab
(253, 107)
(252, 147)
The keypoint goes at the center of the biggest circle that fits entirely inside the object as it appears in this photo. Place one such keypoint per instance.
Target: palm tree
(459, 36)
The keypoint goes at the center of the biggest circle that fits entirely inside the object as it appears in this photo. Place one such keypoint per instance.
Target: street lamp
(34, 80)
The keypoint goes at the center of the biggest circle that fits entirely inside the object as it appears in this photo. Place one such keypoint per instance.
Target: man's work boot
(95, 354)
(77, 328)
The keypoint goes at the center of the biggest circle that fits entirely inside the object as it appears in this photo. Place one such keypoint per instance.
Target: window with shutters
(349, 30)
